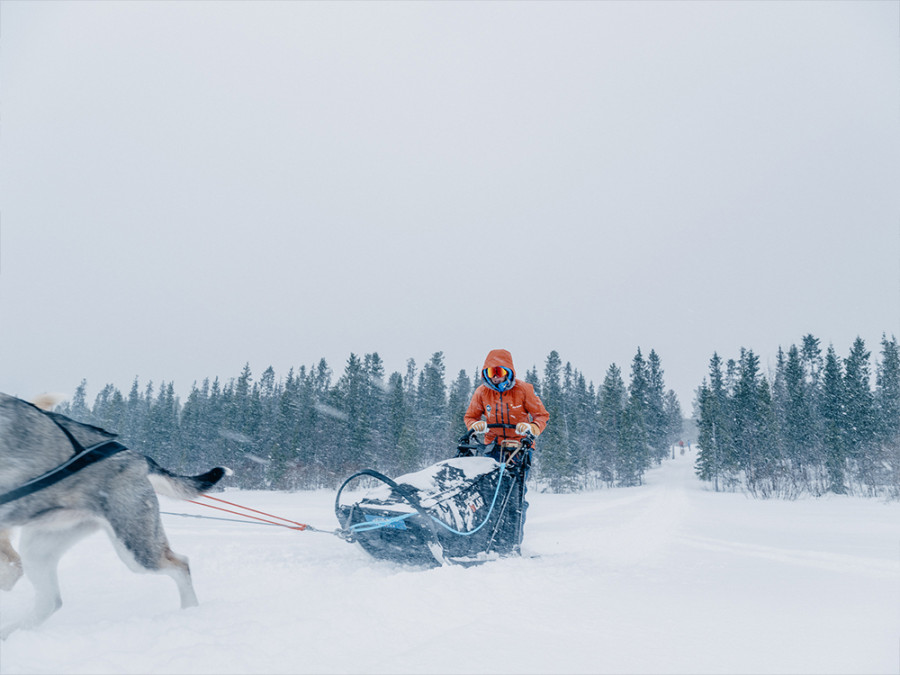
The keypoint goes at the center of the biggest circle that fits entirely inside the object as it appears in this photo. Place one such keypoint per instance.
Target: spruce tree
(351, 423)
(238, 430)
(634, 439)
(328, 432)
(574, 447)
(162, 434)
(657, 430)
(706, 466)
(831, 412)
(431, 403)
(397, 418)
(552, 452)
(216, 415)
(78, 409)
(315, 429)
(716, 459)
(613, 396)
(752, 423)
(413, 440)
(811, 361)
(674, 420)
(194, 433)
(532, 378)
(268, 437)
(133, 423)
(799, 420)
(379, 449)
(859, 409)
(144, 433)
(633, 445)
(887, 403)
(109, 409)
(457, 403)
(586, 415)
(283, 468)
(773, 479)
(813, 367)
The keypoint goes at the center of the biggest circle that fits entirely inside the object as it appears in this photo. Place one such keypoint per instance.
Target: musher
(502, 399)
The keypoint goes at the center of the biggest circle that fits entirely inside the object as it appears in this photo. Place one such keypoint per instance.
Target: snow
(669, 577)
(423, 480)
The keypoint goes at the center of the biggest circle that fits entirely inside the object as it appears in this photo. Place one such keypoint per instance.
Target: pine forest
(815, 425)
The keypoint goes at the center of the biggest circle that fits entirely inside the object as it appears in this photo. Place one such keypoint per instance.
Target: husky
(116, 493)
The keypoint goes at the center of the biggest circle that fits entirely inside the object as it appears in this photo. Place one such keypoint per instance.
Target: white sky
(190, 186)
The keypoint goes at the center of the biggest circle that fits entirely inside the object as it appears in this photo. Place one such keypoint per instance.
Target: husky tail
(183, 487)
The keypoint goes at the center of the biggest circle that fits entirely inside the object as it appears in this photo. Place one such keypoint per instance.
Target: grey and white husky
(115, 493)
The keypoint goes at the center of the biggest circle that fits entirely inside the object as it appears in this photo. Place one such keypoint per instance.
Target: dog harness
(82, 458)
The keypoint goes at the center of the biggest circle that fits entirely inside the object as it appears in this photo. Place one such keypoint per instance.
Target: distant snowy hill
(665, 578)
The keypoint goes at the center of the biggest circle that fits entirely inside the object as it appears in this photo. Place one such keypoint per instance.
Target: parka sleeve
(475, 409)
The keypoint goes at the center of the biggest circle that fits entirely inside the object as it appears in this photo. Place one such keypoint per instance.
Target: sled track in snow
(833, 562)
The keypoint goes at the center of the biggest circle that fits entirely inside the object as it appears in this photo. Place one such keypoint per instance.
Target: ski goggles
(496, 372)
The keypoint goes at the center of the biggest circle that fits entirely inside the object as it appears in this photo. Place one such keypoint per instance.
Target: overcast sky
(187, 187)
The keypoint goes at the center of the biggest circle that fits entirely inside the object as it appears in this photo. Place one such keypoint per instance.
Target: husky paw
(10, 573)
(9, 629)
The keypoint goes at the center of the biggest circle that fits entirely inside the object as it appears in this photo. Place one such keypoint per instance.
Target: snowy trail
(666, 578)
(882, 569)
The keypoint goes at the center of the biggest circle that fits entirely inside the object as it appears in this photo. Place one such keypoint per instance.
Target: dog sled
(464, 510)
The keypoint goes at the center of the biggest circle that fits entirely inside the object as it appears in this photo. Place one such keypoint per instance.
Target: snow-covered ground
(665, 578)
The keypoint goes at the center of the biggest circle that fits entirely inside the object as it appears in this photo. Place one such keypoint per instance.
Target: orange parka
(517, 404)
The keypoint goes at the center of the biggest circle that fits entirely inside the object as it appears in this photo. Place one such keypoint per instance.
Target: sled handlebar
(527, 438)
(465, 441)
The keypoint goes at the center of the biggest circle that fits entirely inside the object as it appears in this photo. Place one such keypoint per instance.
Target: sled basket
(461, 510)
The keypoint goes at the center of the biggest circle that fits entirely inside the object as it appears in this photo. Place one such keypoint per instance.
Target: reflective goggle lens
(497, 372)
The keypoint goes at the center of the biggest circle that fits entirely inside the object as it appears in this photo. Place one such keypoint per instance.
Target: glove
(523, 428)
(478, 427)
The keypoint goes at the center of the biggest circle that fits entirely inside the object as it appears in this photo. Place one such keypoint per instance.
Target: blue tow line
(388, 522)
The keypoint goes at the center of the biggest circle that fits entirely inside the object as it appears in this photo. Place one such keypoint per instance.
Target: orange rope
(296, 525)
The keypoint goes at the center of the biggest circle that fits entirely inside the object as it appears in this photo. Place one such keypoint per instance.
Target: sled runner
(463, 510)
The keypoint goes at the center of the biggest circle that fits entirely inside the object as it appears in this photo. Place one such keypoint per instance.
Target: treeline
(817, 427)
(311, 431)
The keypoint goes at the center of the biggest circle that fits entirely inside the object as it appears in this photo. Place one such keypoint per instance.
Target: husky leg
(42, 547)
(151, 557)
(140, 541)
(177, 567)
(10, 563)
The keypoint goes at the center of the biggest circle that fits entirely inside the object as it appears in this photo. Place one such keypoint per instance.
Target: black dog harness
(82, 458)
